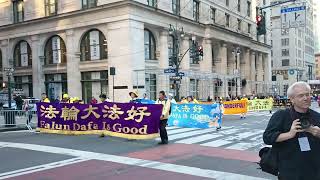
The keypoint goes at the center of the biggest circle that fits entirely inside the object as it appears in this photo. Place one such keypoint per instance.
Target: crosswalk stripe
(244, 135)
(257, 137)
(175, 131)
(243, 146)
(192, 133)
(230, 131)
(217, 143)
(198, 139)
(171, 127)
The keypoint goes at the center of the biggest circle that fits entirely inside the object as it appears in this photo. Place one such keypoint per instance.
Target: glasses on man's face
(305, 95)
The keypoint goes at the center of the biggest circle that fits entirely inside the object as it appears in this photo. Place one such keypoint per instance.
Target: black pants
(163, 131)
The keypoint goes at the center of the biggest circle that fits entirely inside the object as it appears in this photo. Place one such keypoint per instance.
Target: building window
(151, 86)
(284, 31)
(285, 52)
(249, 28)
(176, 7)
(22, 54)
(239, 24)
(18, 11)
(213, 14)
(194, 88)
(149, 45)
(56, 85)
(239, 5)
(227, 20)
(152, 3)
(196, 9)
(51, 7)
(89, 4)
(25, 84)
(227, 2)
(285, 42)
(171, 50)
(55, 51)
(285, 62)
(248, 8)
(93, 46)
(94, 84)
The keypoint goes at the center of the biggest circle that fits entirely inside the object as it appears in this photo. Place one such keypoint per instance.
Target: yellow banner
(260, 104)
(235, 107)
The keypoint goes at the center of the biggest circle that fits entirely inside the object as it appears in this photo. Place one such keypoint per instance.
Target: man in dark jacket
(297, 144)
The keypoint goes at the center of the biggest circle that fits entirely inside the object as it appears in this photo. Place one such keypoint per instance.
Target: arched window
(149, 45)
(93, 46)
(55, 51)
(22, 54)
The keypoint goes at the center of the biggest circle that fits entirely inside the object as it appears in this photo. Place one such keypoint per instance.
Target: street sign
(169, 71)
(175, 78)
(293, 16)
(181, 74)
(9, 69)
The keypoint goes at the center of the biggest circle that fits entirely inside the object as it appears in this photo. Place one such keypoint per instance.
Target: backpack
(269, 160)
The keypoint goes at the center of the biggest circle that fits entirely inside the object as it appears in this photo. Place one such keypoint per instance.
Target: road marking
(217, 143)
(244, 135)
(219, 175)
(243, 146)
(198, 139)
(192, 133)
(19, 131)
(230, 131)
(176, 131)
(40, 168)
(171, 127)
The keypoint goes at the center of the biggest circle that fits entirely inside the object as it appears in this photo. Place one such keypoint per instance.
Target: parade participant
(57, 100)
(44, 98)
(65, 98)
(93, 100)
(243, 115)
(294, 134)
(103, 98)
(184, 100)
(145, 96)
(76, 100)
(164, 117)
(271, 101)
(134, 96)
(172, 100)
(190, 100)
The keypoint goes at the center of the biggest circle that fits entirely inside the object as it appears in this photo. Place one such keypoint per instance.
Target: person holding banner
(164, 117)
(243, 115)
(134, 96)
(44, 98)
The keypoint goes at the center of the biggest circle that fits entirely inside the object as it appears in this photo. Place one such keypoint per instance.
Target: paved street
(230, 153)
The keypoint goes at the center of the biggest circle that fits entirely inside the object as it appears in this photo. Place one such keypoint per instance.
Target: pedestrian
(164, 117)
(28, 110)
(44, 98)
(190, 99)
(65, 98)
(294, 134)
(19, 101)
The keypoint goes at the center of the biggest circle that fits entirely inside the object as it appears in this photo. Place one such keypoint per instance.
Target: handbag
(269, 160)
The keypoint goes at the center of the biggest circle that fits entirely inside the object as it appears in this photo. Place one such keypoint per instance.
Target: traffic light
(261, 25)
(200, 51)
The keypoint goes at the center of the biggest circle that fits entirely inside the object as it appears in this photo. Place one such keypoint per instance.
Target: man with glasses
(294, 134)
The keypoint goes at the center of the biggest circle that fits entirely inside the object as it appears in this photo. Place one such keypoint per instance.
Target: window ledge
(95, 65)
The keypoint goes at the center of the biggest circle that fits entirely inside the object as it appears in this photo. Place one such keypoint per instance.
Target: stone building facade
(60, 46)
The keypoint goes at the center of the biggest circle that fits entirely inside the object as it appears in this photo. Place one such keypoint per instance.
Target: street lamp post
(9, 74)
(236, 52)
(177, 58)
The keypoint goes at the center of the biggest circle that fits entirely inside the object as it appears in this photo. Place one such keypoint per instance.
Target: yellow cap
(65, 96)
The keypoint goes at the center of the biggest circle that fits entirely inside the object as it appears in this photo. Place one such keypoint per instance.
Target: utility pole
(177, 58)
(9, 74)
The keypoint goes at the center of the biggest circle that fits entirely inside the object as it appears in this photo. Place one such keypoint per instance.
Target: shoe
(163, 143)
(241, 117)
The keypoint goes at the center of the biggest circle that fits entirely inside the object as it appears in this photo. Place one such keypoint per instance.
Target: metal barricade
(17, 119)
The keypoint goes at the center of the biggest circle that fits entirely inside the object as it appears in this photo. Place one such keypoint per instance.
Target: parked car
(32, 103)
(13, 105)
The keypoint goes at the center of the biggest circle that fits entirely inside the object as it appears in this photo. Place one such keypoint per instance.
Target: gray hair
(291, 89)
